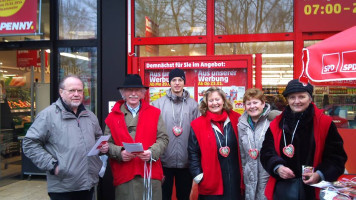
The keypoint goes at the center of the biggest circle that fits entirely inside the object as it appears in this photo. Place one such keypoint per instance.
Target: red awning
(333, 59)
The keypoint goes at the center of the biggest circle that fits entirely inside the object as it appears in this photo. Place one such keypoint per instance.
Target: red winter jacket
(146, 133)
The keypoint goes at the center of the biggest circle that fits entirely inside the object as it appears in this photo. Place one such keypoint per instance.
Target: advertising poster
(29, 58)
(233, 81)
(18, 16)
(233, 93)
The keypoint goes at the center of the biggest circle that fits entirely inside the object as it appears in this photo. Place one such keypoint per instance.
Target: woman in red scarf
(214, 155)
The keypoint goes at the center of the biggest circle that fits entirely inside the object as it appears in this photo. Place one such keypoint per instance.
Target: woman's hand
(285, 172)
(311, 178)
(126, 156)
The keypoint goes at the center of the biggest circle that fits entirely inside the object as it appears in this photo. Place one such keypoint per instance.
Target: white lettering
(329, 68)
(349, 67)
(212, 78)
(11, 26)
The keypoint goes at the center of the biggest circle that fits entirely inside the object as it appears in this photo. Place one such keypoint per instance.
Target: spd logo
(348, 61)
(330, 63)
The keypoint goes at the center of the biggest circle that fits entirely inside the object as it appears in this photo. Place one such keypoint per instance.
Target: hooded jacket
(176, 154)
(59, 136)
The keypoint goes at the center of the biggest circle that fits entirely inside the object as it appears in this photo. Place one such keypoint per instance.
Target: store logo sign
(18, 17)
(11, 26)
(330, 63)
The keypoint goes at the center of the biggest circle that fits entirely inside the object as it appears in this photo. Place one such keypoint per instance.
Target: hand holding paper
(102, 142)
(133, 147)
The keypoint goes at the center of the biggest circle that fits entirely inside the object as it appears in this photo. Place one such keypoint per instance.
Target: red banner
(18, 16)
(197, 64)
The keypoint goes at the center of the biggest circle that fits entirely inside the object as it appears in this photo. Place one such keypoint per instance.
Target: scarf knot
(217, 119)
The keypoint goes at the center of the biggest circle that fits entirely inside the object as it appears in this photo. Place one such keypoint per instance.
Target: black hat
(176, 73)
(132, 81)
(296, 86)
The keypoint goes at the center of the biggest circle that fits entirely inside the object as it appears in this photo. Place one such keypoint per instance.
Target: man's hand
(311, 178)
(56, 171)
(126, 156)
(285, 172)
(104, 148)
(145, 156)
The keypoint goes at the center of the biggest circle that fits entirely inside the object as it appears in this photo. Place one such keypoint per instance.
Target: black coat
(333, 157)
(229, 165)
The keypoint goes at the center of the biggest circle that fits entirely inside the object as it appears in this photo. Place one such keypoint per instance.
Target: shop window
(24, 91)
(78, 19)
(83, 63)
(251, 17)
(277, 65)
(171, 50)
(43, 25)
(170, 18)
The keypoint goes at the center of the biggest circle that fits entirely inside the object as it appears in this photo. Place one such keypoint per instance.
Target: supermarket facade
(230, 44)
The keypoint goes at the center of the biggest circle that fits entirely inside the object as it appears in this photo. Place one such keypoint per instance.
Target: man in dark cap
(178, 111)
(132, 120)
(301, 136)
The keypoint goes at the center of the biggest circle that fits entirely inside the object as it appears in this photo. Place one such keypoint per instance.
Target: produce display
(19, 104)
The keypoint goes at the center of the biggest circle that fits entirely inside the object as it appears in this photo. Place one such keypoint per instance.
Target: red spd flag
(333, 59)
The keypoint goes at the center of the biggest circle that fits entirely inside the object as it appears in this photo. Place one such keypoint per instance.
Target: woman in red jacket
(301, 135)
(214, 155)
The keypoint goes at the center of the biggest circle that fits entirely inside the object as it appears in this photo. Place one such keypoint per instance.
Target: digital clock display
(325, 15)
(329, 9)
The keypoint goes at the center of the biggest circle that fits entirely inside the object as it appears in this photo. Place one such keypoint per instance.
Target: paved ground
(17, 189)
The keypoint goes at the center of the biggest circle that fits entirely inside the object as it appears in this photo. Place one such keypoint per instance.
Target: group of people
(255, 155)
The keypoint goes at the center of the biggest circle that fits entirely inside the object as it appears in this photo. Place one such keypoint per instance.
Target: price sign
(324, 15)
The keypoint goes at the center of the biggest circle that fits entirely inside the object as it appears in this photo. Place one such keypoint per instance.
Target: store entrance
(24, 91)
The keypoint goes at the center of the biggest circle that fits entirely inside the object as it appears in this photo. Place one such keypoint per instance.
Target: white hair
(122, 90)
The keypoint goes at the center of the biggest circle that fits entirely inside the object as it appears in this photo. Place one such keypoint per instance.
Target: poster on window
(232, 81)
(29, 58)
(18, 16)
(234, 94)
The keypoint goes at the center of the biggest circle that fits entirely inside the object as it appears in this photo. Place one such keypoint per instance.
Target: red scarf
(212, 183)
(217, 119)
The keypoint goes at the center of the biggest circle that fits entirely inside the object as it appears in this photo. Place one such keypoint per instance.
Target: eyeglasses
(72, 91)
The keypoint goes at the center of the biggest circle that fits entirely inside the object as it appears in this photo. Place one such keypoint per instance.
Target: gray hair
(121, 90)
(61, 84)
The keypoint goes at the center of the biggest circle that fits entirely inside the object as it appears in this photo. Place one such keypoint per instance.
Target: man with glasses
(59, 140)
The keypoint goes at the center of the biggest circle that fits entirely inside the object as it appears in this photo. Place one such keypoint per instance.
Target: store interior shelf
(21, 110)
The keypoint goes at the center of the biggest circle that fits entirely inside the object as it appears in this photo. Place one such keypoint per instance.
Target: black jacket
(333, 158)
(229, 165)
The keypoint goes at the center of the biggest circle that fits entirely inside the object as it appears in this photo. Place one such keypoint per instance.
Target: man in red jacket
(132, 120)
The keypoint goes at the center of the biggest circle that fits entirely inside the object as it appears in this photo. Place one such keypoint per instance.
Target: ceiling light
(74, 56)
(277, 66)
(277, 72)
(277, 55)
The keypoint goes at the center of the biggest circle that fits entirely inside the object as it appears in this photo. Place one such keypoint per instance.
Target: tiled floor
(33, 189)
